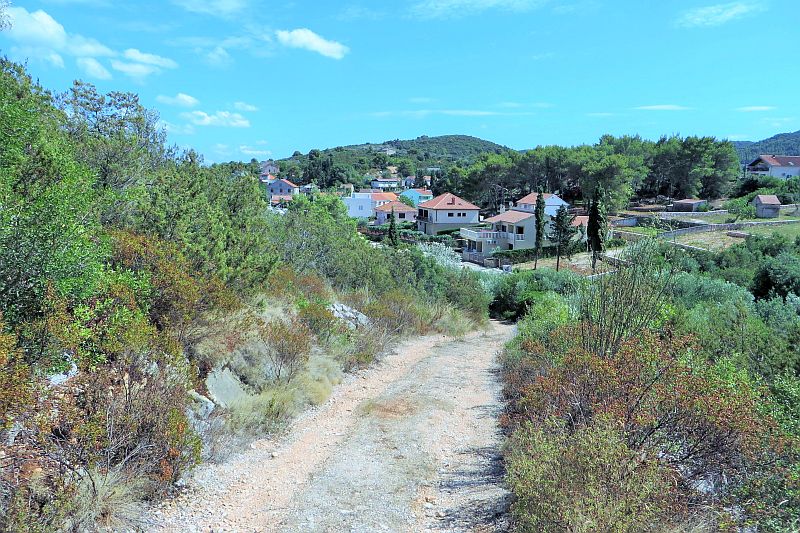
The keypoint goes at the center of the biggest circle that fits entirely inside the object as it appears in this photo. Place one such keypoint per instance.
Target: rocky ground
(410, 444)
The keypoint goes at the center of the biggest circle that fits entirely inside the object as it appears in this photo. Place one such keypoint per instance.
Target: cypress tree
(597, 226)
(540, 226)
(394, 235)
(563, 230)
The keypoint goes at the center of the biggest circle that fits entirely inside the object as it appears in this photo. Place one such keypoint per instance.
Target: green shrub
(586, 481)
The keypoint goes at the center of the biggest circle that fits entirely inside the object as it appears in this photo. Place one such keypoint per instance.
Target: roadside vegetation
(661, 396)
(132, 274)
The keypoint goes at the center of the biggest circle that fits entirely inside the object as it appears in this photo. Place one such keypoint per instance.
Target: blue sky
(244, 78)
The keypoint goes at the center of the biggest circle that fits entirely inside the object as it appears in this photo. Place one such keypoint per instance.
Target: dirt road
(409, 445)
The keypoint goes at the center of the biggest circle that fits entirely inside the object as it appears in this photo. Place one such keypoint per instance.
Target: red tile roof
(779, 160)
(448, 201)
(511, 217)
(284, 180)
(580, 221)
(399, 207)
(384, 197)
(767, 199)
(531, 198)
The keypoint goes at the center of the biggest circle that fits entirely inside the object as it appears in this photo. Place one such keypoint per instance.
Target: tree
(4, 21)
(539, 215)
(596, 226)
(393, 235)
(562, 233)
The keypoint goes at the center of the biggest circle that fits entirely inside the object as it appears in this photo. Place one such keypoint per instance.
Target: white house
(512, 230)
(551, 203)
(269, 167)
(385, 184)
(446, 211)
(779, 166)
(363, 204)
(281, 191)
(402, 212)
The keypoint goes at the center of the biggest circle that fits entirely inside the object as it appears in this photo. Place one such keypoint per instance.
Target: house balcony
(479, 234)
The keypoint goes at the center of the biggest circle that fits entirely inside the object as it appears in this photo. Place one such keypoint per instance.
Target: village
(508, 236)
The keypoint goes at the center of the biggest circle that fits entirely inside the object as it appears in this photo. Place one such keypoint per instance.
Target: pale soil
(411, 444)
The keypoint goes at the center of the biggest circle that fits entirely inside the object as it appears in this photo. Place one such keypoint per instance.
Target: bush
(518, 290)
(586, 481)
(287, 345)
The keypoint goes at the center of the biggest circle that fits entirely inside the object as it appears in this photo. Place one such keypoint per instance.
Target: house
(309, 189)
(402, 212)
(417, 196)
(446, 211)
(767, 206)
(409, 181)
(689, 205)
(363, 204)
(269, 167)
(280, 191)
(385, 184)
(551, 203)
(779, 166)
(514, 229)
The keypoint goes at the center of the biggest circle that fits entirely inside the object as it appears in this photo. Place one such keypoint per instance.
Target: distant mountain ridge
(780, 144)
(425, 150)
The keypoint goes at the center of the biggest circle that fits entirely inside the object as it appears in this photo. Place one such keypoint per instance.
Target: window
(402, 215)
(361, 208)
(450, 214)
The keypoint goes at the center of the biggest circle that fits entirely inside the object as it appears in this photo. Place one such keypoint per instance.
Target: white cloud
(213, 7)
(456, 8)
(251, 151)
(218, 56)
(180, 99)
(137, 71)
(92, 67)
(422, 113)
(39, 36)
(149, 59)
(755, 108)
(308, 40)
(244, 106)
(223, 119)
(718, 14)
(662, 107)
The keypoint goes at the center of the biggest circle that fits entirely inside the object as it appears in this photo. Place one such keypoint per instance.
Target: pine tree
(539, 215)
(597, 226)
(562, 233)
(394, 235)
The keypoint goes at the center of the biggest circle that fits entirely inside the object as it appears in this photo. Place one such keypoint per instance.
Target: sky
(242, 79)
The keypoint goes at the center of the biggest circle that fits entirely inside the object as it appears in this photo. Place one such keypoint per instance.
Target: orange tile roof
(531, 198)
(580, 221)
(448, 201)
(424, 192)
(510, 216)
(384, 196)
(287, 182)
(397, 206)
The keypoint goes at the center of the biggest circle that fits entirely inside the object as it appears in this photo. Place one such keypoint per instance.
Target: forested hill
(781, 144)
(425, 151)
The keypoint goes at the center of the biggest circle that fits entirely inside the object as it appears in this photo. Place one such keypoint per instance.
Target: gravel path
(410, 444)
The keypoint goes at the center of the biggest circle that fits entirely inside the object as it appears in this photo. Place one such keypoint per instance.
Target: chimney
(452, 201)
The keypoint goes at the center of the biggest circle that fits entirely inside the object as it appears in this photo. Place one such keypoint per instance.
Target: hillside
(783, 144)
(440, 151)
